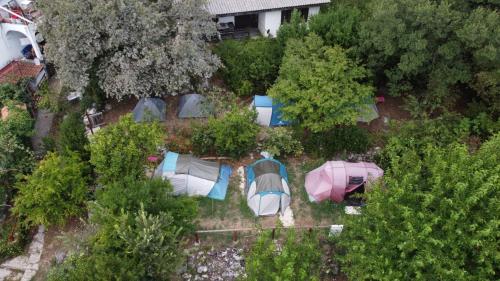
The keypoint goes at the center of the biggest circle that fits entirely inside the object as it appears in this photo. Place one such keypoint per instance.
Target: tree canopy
(139, 48)
(121, 149)
(435, 217)
(56, 190)
(432, 49)
(320, 86)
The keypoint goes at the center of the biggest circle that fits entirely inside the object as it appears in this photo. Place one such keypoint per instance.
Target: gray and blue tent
(150, 109)
(194, 106)
(267, 188)
(194, 177)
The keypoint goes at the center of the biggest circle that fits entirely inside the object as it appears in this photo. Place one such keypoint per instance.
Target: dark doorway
(246, 21)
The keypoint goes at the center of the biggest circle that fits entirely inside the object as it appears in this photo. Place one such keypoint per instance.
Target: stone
(18, 263)
(4, 273)
(60, 257)
(28, 275)
(202, 269)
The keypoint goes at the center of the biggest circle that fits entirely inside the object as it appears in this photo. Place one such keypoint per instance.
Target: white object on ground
(287, 218)
(74, 96)
(241, 174)
(336, 229)
(266, 154)
(351, 210)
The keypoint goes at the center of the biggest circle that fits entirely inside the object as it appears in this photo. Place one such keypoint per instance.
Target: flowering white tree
(134, 47)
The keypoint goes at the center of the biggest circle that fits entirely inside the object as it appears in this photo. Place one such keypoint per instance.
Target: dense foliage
(72, 135)
(436, 217)
(281, 141)
(433, 49)
(296, 28)
(338, 25)
(56, 190)
(234, 134)
(251, 66)
(346, 139)
(320, 86)
(121, 149)
(139, 228)
(18, 122)
(297, 259)
(134, 47)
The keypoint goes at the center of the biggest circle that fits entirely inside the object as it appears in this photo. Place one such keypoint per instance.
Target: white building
(17, 32)
(266, 16)
(20, 53)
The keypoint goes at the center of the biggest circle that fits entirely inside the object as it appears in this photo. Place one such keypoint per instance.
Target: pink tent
(336, 178)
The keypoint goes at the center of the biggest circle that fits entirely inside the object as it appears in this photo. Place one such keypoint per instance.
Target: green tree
(431, 49)
(72, 135)
(296, 260)
(280, 141)
(250, 66)
(338, 25)
(296, 28)
(435, 217)
(121, 149)
(56, 190)
(320, 86)
(11, 92)
(138, 48)
(155, 196)
(18, 122)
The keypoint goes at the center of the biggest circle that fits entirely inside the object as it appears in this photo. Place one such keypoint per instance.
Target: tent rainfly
(194, 177)
(336, 178)
(194, 106)
(267, 187)
(150, 109)
(268, 112)
(368, 113)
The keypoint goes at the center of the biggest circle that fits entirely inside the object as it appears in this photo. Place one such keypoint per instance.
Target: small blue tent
(268, 112)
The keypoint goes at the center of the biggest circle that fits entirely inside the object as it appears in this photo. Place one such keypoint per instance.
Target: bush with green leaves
(434, 218)
(72, 135)
(281, 141)
(121, 149)
(56, 190)
(18, 122)
(233, 134)
(11, 92)
(298, 258)
(49, 99)
(251, 66)
(346, 139)
(154, 195)
(320, 86)
(139, 226)
(296, 28)
(338, 24)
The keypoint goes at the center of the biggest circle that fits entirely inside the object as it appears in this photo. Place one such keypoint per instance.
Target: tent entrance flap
(187, 164)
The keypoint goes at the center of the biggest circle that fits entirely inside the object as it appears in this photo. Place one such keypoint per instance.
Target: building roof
(17, 70)
(227, 7)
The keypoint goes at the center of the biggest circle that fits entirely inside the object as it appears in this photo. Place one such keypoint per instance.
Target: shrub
(121, 149)
(349, 139)
(250, 66)
(296, 260)
(280, 141)
(10, 248)
(296, 28)
(72, 135)
(19, 123)
(56, 190)
(435, 218)
(233, 135)
(49, 99)
(155, 196)
(11, 92)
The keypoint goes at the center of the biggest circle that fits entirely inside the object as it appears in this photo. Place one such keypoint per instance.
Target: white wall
(271, 21)
(13, 37)
(226, 19)
(313, 11)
